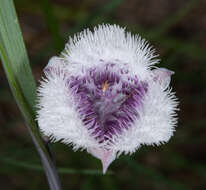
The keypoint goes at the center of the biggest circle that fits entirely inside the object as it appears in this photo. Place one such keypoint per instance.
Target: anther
(105, 86)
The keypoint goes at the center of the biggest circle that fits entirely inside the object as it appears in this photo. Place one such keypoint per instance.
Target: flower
(104, 94)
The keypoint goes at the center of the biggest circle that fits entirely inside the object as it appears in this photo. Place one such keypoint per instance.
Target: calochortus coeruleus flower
(105, 94)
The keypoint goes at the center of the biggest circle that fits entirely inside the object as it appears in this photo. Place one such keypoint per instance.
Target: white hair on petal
(110, 43)
(57, 116)
(156, 123)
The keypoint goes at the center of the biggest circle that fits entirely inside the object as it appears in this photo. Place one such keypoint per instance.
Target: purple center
(107, 100)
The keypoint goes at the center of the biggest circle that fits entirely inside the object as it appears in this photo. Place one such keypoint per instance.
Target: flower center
(108, 100)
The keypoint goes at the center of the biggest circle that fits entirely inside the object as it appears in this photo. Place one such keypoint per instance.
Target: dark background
(177, 29)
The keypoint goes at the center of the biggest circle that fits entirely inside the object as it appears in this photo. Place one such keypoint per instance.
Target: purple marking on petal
(106, 101)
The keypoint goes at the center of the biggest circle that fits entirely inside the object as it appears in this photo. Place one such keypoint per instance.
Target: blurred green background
(177, 29)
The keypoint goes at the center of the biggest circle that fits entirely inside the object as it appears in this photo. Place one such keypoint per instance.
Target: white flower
(105, 95)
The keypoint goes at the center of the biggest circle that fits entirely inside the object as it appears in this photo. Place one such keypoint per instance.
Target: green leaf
(16, 65)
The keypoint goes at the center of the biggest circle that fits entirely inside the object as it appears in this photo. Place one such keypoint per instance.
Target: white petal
(156, 122)
(109, 43)
(57, 116)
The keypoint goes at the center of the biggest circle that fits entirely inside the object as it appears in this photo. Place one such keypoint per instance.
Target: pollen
(105, 86)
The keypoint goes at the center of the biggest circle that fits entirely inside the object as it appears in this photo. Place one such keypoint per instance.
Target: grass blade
(16, 65)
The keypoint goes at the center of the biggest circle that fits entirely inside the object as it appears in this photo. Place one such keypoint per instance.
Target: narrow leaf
(16, 65)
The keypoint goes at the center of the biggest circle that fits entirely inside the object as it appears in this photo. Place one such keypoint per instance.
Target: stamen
(105, 86)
